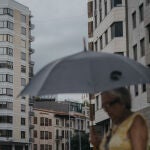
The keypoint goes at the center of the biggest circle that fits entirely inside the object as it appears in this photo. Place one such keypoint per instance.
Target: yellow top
(119, 139)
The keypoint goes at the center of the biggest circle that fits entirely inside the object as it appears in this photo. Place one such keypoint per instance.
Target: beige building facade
(55, 125)
(16, 68)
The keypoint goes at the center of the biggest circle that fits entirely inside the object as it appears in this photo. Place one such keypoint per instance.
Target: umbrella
(87, 72)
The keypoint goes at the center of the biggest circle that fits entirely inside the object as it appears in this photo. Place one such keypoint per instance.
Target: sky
(60, 26)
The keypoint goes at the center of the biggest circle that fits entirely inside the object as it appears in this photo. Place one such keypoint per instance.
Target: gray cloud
(59, 28)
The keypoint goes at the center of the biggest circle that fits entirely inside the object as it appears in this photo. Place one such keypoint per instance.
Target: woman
(129, 130)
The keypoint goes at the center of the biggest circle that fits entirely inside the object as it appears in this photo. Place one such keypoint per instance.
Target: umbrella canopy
(87, 72)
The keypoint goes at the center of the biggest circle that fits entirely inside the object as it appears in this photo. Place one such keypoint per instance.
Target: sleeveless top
(117, 136)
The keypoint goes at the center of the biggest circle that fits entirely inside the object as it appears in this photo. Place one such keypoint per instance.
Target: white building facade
(139, 50)
(16, 68)
(107, 33)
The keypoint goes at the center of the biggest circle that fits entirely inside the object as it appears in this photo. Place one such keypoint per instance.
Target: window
(6, 24)
(46, 121)
(41, 134)
(100, 10)
(57, 122)
(90, 9)
(50, 122)
(116, 29)
(23, 30)
(35, 147)
(6, 51)
(42, 121)
(95, 20)
(148, 32)
(7, 11)
(6, 119)
(142, 47)
(23, 121)
(23, 56)
(41, 146)
(97, 102)
(143, 87)
(6, 105)
(35, 133)
(136, 92)
(6, 91)
(135, 52)
(105, 7)
(96, 46)
(23, 43)
(23, 69)
(134, 19)
(106, 37)
(50, 135)
(6, 64)
(35, 120)
(23, 134)
(6, 38)
(115, 3)
(6, 133)
(101, 43)
(23, 108)
(141, 13)
(62, 133)
(90, 29)
(23, 82)
(46, 135)
(6, 78)
(23, 18)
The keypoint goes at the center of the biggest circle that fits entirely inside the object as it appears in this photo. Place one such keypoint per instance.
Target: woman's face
(113, 106)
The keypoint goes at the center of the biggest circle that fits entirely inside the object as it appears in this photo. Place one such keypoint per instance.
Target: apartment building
(54, 124)
(107, 33)
(16, 68)
(139, 50)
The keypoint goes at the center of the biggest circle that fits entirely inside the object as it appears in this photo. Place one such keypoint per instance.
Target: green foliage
(75, 142)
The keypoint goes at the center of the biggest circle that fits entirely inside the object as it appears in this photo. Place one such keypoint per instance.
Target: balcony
(31, 38)
(32, 26)
(31, 50)
(31, 101)
(31, 62)
(31, 113)
(31, 126)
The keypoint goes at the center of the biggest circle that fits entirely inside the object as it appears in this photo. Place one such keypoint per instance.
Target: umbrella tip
(84, 44)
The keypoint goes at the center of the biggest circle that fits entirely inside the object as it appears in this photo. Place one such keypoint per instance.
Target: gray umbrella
(87, 72)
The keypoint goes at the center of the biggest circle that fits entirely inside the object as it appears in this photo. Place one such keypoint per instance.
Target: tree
(75, 142)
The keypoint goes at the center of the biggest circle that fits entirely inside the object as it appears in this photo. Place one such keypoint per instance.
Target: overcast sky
(60, 26)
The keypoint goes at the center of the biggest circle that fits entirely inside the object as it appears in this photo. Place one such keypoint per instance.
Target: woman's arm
(138, 134)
